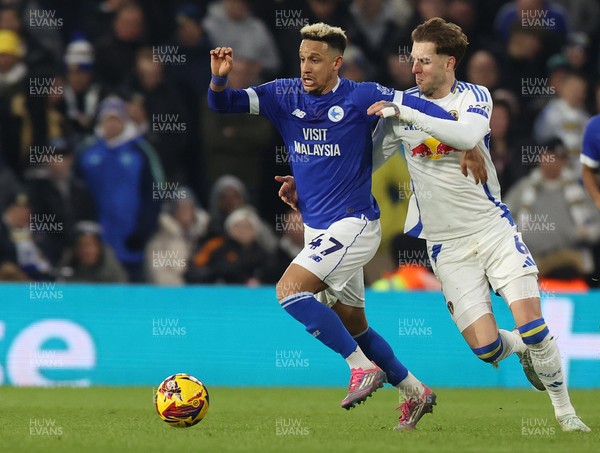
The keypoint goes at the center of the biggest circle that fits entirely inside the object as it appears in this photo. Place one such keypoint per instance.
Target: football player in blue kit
(324, 123)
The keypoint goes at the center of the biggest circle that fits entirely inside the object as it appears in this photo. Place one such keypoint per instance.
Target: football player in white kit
(472, 240)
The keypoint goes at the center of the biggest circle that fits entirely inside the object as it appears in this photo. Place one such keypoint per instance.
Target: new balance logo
(299, 113)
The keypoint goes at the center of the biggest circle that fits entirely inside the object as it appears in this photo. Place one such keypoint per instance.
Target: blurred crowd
(112, 168)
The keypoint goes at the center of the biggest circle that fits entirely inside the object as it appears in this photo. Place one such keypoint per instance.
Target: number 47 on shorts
(317, 243)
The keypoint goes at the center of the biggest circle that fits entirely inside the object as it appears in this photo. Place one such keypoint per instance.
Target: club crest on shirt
(385, 90)
(335, 113)
(454, 114)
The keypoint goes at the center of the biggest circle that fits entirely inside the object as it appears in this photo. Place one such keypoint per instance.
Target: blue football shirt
(590, 152)
(328, 141)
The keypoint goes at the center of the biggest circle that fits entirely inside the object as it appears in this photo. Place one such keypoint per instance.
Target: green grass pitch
(120, 419)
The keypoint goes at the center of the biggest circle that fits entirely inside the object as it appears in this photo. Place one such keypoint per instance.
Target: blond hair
(334, 36)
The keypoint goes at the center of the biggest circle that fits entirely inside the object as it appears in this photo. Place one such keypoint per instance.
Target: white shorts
(466, 267)
(337, 256)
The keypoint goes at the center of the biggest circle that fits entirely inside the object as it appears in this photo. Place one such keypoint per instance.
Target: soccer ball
(181, 400)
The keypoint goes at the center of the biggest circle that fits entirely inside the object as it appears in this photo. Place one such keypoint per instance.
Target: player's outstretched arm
(463, 134)
(221, 64)
(471, 159)
(221, 98)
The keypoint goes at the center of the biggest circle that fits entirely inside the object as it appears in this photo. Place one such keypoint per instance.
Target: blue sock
(379, 351)
(321, 322)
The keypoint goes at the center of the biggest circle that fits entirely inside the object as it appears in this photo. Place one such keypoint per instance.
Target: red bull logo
(432, 148)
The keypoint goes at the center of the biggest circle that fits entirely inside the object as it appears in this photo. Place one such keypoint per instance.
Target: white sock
(410, 387)
(358, 359)
(546, 360)
(511, 342)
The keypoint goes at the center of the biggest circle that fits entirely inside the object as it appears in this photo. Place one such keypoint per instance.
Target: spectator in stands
(539, 14)
(231, 23)
(10, 185)
(124, 176)
(371, 28)
(399, 69)
(165, 112)
(82, 93)
(356, 67)
(291, 242)
(521, 60)
(54, 190)
(20, 241)
(565, 117)
(190, 80)
(43, 45)
(182, 224)
(192, 77)
(583, 15)
(558, 220)
(90, 260)
(115, 52)
(227, 195)
(505, 148)
(238, 144)
(235, 258)
(482, 69)
(99, 17)
(287, 37)
(22, 116)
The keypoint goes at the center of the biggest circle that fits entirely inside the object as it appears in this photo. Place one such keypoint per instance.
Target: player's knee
(285, 288)
(355, 326)
(490, 352)
(534, 332)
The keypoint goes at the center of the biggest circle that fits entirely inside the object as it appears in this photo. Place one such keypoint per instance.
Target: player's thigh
(335, 255)
(523, 297)
(506, 258)
(464, 283)
(296, 279)
(349, 303)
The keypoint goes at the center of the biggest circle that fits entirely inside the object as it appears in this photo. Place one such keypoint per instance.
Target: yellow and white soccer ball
(181, 400)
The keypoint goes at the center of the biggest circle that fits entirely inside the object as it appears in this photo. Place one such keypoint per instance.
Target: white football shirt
(445, 204)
